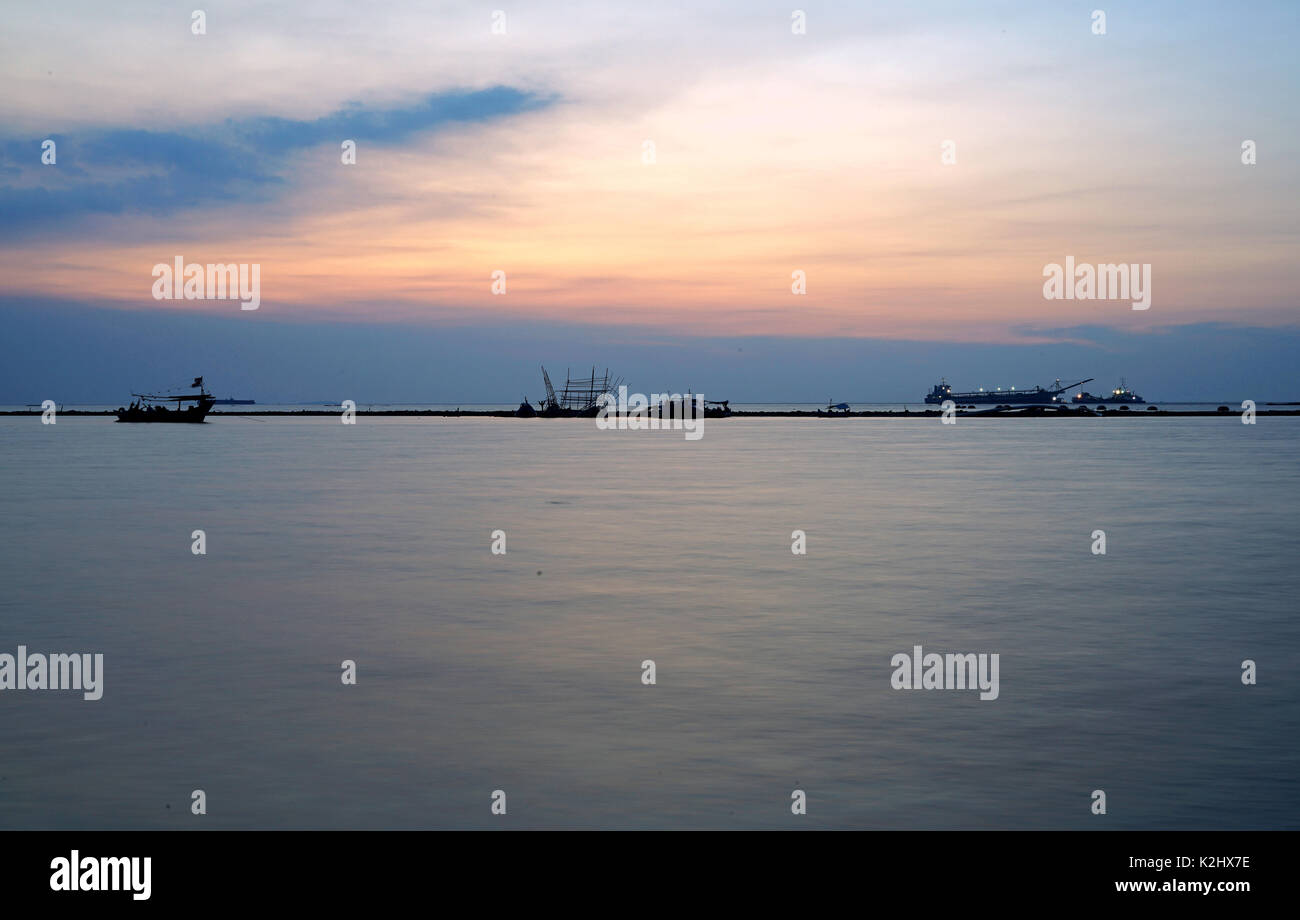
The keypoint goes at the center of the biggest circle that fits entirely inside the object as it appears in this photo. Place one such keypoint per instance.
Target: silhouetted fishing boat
(153, 408)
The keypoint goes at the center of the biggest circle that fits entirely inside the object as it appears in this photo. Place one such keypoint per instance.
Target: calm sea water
(855, 405)
(522, 672)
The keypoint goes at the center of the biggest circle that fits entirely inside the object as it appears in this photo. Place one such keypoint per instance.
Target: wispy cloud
(158, 172)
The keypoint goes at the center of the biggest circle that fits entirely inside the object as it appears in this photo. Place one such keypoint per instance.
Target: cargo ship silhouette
(1032, 396)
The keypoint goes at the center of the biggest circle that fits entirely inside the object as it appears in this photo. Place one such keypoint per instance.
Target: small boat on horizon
(153, 408)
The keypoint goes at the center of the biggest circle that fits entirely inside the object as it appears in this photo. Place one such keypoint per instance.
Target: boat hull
(1131, 399)
(999, 398)
(193, 415)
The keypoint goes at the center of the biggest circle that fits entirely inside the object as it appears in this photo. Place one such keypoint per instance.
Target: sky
(649, 178)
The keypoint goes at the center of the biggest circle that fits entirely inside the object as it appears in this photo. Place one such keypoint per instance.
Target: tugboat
(1121, 394)
(1034, 396)
(150, 408)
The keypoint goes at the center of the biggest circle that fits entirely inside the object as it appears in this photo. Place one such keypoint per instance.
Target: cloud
(158, 172)
(774, 152)
(386, 126)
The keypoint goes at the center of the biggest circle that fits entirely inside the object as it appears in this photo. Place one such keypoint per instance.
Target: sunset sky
(773, 152)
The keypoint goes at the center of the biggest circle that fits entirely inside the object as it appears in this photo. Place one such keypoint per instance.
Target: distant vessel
(588, 397)
(689, 406)
(579, 398)
(151, 408)
(234, 402)
(1036, 395)
(1121, 394)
